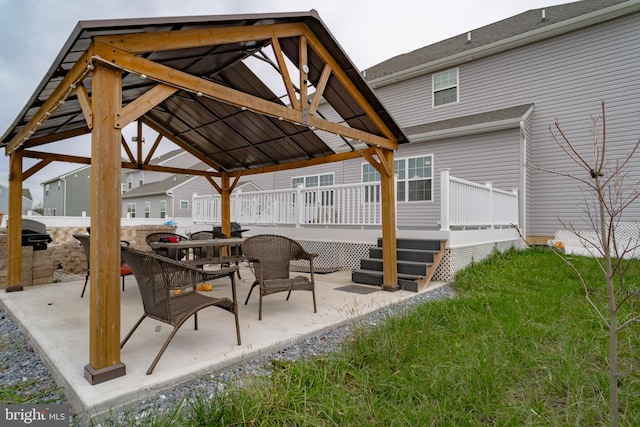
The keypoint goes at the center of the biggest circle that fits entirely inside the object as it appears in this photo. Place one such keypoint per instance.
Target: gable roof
(163, 186)
(499, 36)
(211, 103)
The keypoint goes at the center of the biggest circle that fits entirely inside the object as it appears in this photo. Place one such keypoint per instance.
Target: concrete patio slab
(56, 320)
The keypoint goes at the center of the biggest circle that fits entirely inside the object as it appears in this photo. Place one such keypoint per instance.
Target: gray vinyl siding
(480, 158)
(78, 194)
(54, 201)
(565, 77)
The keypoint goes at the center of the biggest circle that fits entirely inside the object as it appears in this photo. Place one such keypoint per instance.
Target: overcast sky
(371, 31)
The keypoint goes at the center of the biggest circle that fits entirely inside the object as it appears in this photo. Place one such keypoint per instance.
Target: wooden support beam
(136, 108)
(225, 205)
(14, 223)
(304, 163)
(388, 197)
(153, 149)
(52, 157)
(350, 87)
(104, 314)
(139, 138)
(214, 184)
(188, 82)
(60, 93)
(322, 84)
(284, 72)
(189, 39)
(56, 137)
(35, 169)
(85, 104)
(186, 147)
(303, 66)
(127, 150)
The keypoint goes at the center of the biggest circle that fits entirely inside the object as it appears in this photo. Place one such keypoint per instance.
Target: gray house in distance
(27, 200)
(68, 194)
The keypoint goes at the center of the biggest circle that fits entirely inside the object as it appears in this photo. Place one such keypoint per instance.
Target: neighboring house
(27, 200)
(177, 158)
(70, 194)
(480, 104)
(169, 198)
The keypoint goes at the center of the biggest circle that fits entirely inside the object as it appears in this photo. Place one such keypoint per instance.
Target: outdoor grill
(34, 234)
(236, 229)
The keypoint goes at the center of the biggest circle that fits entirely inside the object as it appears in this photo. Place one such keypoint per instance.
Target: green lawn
(519, 345)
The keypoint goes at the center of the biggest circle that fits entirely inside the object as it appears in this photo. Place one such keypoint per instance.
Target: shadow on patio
(56, 320)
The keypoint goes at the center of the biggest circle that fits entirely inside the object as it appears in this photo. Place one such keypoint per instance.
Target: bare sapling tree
(610, 186)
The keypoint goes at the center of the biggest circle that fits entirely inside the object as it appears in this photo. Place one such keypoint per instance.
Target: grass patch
(519, 345)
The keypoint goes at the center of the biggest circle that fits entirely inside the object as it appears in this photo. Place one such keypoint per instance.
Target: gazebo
(187, 78)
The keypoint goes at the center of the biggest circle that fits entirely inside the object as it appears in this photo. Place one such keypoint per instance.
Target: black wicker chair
(159, 277)
(169, 253)
(212, 252)
(269, 258)
(85, 241)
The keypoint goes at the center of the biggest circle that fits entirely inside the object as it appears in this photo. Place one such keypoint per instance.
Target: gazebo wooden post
(14, 223)
(104, 323)
(225, 209)
(387, 190)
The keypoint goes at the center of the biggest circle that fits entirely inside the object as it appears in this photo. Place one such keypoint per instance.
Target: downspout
(64, 195)
(522, 191)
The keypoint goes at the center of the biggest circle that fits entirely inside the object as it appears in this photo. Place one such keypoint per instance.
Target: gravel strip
(21, 366)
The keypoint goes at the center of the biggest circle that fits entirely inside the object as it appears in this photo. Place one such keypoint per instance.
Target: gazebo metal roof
(227, 137)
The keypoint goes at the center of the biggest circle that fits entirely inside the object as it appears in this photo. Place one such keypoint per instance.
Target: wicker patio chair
(211, 252)
(159, 277)
(169, 253)
(85, 241)
(269, 258)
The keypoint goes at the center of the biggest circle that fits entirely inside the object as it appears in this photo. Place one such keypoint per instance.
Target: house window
(184, 205)
(313, 180)
(147, 209)
(415, 178)
(445, 87)
(129, 182)
(123, 188)
(141, 182)
(163, 208)
(46, 189)
(131, 210)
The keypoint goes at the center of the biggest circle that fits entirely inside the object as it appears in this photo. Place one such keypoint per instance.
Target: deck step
(373, 277)
(406, 254)
(404, 267)
(416, 263)
(420, 244)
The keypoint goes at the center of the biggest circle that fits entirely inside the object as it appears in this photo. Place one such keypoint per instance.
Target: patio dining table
(231, 256)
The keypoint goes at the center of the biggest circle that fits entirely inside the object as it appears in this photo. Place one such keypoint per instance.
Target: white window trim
(408, 179)
(318, 175)
(433, 91)
(163, 202)
(180, 205)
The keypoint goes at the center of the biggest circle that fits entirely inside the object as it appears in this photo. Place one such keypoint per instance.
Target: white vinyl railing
(350, 204)
(463, 204)
(469, 204)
